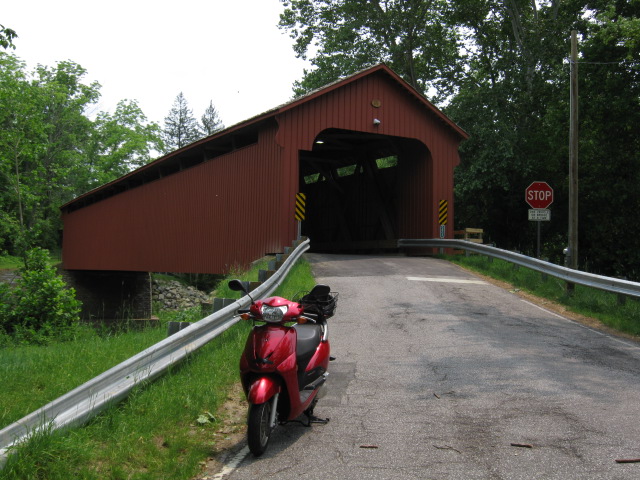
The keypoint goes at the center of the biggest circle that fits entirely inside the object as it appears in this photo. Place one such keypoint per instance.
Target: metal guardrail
(621, 287)
(79, 405)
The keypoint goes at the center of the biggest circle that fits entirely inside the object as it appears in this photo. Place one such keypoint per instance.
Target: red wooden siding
(204, 219)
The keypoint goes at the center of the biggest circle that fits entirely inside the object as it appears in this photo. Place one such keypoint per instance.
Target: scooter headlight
(273, 314)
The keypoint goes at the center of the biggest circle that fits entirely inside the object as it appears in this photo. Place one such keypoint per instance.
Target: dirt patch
(230, 436)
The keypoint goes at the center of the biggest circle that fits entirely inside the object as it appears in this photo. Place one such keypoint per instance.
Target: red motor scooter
(284, 366)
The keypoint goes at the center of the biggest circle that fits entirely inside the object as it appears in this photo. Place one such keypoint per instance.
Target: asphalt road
(438, 374)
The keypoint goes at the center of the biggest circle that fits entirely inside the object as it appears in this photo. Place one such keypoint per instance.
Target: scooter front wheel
(259, 427)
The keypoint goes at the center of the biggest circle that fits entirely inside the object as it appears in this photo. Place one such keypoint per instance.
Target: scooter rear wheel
(258, 427)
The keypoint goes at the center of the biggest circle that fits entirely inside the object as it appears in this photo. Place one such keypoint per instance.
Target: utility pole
(573, 159)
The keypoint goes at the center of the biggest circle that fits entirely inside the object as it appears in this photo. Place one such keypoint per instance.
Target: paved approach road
(439, 373)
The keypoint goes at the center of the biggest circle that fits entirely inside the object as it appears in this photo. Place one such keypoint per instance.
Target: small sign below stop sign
(539, 195)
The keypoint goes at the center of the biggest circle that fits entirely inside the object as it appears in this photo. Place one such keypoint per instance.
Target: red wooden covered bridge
(374, 158)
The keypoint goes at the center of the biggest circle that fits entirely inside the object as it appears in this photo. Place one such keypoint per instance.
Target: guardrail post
(622, 299)
(264, 275)
(175, 327)
(206, 308)
(220, 303)
(277, 263)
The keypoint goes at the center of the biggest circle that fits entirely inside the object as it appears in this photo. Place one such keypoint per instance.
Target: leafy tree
(415, 37)
(41, 307)
(45, 132)
(6, 37)
(20, 148)
(119, 143)
(180, 126)
(609, 170)
(211, 121)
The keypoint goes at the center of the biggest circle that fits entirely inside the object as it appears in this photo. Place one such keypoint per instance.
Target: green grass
(9, 262)
(153, 434)
(34, 375)
(590, 302)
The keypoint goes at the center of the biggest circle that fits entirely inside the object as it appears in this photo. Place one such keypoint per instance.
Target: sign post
(539, 195)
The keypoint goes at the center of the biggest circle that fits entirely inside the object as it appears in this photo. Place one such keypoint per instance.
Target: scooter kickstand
(313, 419)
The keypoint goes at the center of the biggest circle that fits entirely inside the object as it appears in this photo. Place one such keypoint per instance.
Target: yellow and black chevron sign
(301, 203)
(443, 212)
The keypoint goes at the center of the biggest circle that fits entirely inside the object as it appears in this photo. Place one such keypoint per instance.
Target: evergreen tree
(180, 126)
(211, 121)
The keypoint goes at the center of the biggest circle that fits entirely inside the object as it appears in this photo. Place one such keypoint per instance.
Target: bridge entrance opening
(364, 191)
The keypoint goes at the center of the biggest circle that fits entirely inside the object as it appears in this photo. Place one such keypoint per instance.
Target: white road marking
(232, 464)
(446, 280)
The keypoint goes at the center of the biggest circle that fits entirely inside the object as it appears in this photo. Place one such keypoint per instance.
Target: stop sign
(539, 195)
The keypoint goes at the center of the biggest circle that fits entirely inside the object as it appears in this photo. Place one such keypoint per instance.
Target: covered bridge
(373, 156)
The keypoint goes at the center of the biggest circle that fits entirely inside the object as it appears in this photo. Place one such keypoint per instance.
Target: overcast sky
(227, 51)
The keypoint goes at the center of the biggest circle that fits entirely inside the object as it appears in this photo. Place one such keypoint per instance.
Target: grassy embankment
(163, 430)
(14, 263)
(589, 302)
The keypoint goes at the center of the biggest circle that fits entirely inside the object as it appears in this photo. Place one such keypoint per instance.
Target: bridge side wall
(206, 219)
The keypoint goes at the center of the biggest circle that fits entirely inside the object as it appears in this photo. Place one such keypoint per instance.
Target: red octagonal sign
(539, 195)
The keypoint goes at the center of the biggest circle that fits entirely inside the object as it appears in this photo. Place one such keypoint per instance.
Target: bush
(41, 307)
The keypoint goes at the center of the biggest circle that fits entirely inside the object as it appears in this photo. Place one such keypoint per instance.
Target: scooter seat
(309, 336)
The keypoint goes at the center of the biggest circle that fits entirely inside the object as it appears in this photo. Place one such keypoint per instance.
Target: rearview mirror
(237, 286)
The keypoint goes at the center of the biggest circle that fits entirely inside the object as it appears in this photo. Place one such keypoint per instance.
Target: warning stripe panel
(443, 212)
(301, 203)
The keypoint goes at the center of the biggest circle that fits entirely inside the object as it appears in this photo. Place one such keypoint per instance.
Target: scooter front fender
(262, 389)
